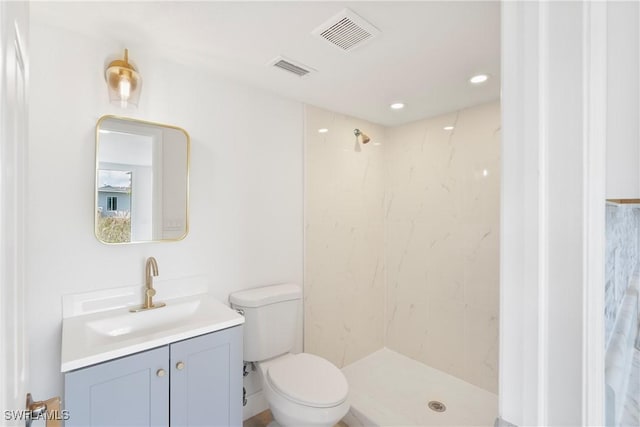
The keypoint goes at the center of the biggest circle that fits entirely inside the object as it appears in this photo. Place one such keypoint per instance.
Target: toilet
(301, 389)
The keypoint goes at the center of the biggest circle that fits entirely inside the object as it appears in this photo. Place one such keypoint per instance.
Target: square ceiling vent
(346, 31)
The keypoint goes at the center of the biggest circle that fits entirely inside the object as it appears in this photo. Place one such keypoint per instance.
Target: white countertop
(98, 337)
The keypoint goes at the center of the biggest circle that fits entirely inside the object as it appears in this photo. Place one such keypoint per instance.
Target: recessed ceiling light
(479, 78)
(397, 106)
(448, 128)
(323, 130)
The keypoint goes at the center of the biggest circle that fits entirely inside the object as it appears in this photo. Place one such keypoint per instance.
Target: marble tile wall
(622, 256)
(442, 242)
(344, 284)
(401, 241)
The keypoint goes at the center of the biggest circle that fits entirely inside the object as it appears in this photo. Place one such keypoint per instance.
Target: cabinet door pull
(161, 372)
(180, 366)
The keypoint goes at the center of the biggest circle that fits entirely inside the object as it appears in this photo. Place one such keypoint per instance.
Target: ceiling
(424, 56)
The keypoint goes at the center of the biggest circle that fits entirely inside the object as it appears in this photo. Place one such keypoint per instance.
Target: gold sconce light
(124, 82)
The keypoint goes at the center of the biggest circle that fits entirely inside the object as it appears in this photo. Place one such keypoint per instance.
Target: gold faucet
(151, 269)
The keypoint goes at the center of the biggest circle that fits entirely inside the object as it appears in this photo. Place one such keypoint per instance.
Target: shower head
(365, 138)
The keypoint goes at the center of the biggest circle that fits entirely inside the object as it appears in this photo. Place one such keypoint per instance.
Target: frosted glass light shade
(124, 82)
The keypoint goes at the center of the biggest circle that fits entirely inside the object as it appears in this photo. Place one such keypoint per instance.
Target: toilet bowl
(304, 390)
(301, 389)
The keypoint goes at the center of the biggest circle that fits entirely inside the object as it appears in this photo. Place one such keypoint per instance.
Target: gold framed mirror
(142, 181)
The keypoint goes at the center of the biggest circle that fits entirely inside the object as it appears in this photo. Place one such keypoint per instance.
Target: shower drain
(434, 405)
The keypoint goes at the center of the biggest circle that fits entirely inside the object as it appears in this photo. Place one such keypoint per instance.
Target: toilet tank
(270, 316)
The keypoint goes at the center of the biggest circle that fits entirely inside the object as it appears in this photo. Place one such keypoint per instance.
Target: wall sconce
(123, 81)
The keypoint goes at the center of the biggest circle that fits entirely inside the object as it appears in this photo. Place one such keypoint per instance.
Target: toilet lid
(309, 380)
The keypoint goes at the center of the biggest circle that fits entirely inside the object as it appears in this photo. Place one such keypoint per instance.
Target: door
(132, 391)
(13, 140)
(206, 380)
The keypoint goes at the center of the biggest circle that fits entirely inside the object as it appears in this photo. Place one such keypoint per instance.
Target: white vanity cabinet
(194, 382)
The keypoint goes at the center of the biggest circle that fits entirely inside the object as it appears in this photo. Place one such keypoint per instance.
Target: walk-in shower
(402, 261)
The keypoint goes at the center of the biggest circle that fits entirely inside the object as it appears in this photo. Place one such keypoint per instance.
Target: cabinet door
(122, 392)
(206, 380)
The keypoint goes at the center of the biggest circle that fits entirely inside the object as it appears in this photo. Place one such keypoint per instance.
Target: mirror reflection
(142, 179)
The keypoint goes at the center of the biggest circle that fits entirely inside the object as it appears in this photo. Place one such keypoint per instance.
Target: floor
(264, 418)
(260, 420)
(389, 389)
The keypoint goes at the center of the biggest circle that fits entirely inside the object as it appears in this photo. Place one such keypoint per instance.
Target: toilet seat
(308, 380)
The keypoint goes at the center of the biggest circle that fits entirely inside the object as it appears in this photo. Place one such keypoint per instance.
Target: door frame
(14, 73)
(553, 184)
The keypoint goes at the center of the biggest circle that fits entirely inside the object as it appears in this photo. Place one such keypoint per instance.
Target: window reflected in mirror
(114, 206)
(142, 176)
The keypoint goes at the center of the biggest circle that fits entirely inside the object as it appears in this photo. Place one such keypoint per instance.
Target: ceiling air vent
(346, 31)
(294, 67)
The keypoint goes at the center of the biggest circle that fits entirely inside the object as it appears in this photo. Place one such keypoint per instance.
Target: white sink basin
(144, 321)
(97, 337)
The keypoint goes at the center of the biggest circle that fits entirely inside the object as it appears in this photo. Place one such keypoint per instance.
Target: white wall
(246, 184)
(623, 100)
